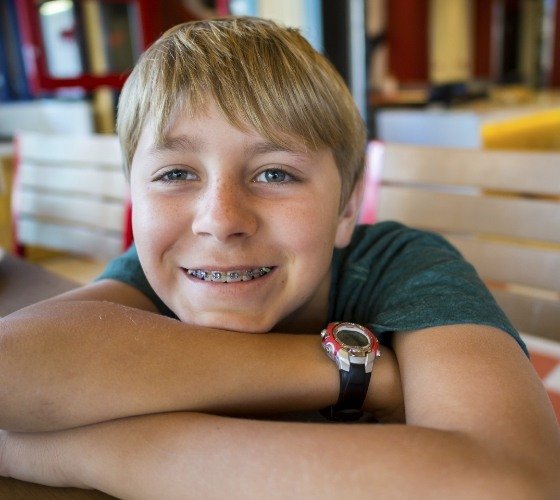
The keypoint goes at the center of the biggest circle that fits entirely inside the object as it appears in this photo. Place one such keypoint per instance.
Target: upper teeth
(229, 276)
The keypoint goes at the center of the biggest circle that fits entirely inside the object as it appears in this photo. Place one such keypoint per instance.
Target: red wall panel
(555, 78)
(482, 38)
(407, 36)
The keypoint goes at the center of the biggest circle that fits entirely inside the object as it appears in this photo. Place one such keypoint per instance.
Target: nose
(224, 211)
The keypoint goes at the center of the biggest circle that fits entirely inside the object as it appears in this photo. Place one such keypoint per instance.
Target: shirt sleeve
(126, 268)
(396, 279)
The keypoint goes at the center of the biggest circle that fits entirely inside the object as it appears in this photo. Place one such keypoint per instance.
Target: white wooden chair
(501, 209)
(70, 194)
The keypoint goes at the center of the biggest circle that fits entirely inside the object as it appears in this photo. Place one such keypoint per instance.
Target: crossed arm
(133, 404)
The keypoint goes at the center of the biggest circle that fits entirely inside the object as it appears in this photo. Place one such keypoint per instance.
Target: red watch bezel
(333, 346)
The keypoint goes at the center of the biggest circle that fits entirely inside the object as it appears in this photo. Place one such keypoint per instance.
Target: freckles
(311, 239)
(310, 222)
(143, 224)
(154, 215)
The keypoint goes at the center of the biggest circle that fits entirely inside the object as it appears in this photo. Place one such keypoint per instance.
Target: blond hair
(260, 75)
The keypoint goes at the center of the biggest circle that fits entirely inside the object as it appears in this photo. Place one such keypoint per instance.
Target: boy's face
(219, 204)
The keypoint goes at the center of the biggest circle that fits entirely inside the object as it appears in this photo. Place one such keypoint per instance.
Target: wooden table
(21, 284)
(11, 489)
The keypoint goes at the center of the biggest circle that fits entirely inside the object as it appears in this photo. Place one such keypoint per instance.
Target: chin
(229, 323)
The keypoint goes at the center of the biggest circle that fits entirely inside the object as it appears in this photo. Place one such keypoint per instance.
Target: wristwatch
(353, 348)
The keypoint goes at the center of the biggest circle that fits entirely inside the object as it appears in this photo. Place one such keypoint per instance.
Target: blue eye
(177, 175)
(274, 175)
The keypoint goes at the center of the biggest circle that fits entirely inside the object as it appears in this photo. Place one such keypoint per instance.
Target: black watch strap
(353, 389)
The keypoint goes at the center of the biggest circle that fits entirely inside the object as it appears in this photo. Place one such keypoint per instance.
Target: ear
(349, 215)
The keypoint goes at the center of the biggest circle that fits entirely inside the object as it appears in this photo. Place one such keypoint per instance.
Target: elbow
(539, 480)
(517, 471)
(545, 483)
(536, 487)
(542, 469)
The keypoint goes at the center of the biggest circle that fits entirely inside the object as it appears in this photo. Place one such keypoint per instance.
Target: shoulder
(127, 269)
(390, 254)
(389, 239)
(397, 278)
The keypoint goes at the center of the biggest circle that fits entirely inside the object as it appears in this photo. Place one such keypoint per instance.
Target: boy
(245, 156)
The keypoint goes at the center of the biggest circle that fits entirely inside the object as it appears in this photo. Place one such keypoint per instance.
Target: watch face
(352, 338)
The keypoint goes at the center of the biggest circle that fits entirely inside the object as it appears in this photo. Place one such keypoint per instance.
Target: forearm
(73, 363)
(201, 456)
(97, 361)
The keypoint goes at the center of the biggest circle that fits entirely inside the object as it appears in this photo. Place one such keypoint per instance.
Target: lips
(232, 276)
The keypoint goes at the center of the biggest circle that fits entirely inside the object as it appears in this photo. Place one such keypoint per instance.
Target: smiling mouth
(229, 276)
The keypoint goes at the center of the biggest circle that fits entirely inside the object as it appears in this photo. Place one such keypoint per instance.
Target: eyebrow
(196, 144)
(264, 147)
(179, 143)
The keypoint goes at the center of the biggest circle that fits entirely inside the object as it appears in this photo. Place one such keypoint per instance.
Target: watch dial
(352, 338)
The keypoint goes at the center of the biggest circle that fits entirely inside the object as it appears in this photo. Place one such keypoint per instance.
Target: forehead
(191, 128)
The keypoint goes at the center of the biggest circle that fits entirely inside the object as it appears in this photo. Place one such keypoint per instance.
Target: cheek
(153, 221)
(311, 228)
(153, 237)
(144, 227)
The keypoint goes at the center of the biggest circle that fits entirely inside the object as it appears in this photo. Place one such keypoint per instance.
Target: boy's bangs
(253, 94)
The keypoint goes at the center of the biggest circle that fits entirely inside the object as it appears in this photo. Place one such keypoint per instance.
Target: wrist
(353, 348)
(384, 398)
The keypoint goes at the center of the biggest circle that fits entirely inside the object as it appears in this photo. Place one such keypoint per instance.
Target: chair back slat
(471, 214)
(507, 171)
(78, 240)
(74, 180)
(72, 210)
(97, 149)
(504, 261)
(528, 313)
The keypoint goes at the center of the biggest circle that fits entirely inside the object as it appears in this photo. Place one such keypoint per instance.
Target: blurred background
(393, 53)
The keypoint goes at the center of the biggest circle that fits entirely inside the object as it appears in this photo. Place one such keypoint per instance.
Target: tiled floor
(545, 356)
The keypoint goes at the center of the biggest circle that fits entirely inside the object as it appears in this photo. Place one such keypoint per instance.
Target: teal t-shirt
(390, 277)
